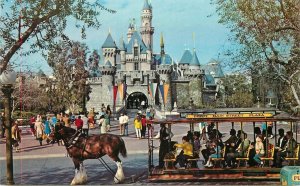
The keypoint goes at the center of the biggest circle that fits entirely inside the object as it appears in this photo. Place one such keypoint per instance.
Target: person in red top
(144, 125)
(79, 123)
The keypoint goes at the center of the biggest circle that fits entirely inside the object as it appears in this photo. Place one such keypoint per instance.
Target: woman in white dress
(39, 130)
(102, 125)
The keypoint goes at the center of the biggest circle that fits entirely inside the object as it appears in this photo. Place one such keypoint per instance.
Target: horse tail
(123, 150)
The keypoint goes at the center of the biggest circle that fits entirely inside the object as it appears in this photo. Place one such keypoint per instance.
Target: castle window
(136, 66)
(135, 52)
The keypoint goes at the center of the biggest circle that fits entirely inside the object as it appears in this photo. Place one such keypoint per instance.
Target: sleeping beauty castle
(131, 73)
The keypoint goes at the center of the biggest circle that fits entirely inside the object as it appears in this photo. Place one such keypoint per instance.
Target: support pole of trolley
(218, 137)
(296, 123)
(275, 123)
(253, 131)
(242, 126)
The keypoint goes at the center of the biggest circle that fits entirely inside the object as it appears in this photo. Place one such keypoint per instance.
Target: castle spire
(194, 40)
(162, 45)
(162, 40)
(147, 6)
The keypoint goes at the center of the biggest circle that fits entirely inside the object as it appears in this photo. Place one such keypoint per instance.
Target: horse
(81, 147)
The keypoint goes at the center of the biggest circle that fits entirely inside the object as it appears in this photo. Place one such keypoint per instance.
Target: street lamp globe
(8, 77)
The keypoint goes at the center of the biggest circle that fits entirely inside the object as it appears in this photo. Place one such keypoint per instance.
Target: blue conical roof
(194, 61)
(162, 60)
(147, 5)
(122, 45)
(130, 45)
(109, 42)
(186, 57)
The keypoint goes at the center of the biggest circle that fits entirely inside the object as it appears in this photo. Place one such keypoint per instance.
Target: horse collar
(74, 139)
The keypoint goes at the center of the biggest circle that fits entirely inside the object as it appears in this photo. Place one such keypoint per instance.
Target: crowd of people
(209, 143)
(43, 126)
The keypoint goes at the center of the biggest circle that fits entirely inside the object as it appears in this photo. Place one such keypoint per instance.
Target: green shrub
(23, 115)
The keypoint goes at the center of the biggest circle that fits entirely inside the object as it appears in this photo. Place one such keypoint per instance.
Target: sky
(177, 20)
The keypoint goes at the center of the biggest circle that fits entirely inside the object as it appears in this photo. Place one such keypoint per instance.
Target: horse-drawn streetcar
(255, 152)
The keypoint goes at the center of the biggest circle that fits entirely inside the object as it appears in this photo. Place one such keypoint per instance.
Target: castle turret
(196, 76)
(122, 49)
(109, 50)
(146, 25)
(165, 70)
(131, 29)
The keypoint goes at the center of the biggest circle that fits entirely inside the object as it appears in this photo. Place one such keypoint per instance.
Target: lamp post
(7, 79)
(125, 105)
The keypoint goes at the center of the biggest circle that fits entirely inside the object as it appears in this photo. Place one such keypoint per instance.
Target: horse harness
(73, 142)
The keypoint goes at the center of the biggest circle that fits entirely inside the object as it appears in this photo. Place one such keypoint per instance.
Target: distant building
(135, 63)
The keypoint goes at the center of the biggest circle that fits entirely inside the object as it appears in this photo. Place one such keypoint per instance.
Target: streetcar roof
(227, 115)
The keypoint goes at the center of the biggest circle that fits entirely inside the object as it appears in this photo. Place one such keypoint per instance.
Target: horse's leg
(119, 177)
(80, 173)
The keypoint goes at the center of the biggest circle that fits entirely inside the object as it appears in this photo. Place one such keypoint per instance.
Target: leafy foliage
(268, 33)
(237, 91)
(41, 22)
(69, 86)
(93, 64)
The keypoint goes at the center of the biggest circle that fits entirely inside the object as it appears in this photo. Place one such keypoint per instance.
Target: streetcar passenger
(230, 143)
(197, 144)
(186, 153)
(259, 149)
(241, 151)
(288, 150)
(214, 137)
(281, 142)
(216, 154)
(165, 135)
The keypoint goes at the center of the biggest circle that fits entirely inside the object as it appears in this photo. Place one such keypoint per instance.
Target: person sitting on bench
(186, 153)
(287, 151)
(216, 154)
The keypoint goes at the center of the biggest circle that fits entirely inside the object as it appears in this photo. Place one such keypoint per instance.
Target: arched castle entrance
(135, 99)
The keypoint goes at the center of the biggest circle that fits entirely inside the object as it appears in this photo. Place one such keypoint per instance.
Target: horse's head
(63, 132)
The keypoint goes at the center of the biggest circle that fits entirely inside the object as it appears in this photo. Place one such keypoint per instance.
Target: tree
(68, 62)
(93, 64)
(268, 33)
(41, 22)
(28, 94)
(237, 91)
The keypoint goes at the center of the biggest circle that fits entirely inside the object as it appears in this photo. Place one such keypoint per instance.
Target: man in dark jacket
(164, 148)
(288, 149)
(281, 142)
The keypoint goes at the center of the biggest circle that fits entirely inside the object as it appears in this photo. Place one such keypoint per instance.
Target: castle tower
(109, 50)
(131, 29)
(196, 75)
(108, 72)
(165, 70)
(146, 25)
(122, 49)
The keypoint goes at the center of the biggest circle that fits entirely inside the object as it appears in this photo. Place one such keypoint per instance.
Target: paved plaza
(48, 164)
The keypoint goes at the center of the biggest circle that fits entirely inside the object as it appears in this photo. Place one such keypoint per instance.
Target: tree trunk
(295, 95)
